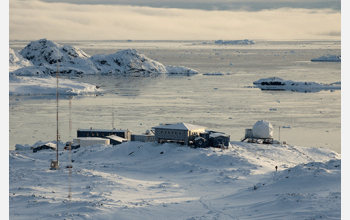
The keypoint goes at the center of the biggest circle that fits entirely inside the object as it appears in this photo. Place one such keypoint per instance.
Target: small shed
(114, 140)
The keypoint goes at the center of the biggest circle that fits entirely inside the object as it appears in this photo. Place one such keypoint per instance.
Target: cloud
(32, 20)
(221, 5)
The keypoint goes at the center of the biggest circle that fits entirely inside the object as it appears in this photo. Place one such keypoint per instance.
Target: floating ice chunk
(246, 41)
(328, 58)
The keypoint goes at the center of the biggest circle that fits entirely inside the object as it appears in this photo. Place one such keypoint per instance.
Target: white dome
(262, 129)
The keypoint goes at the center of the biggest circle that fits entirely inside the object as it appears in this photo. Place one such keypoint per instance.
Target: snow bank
(275, 83)
(137, 180)
(25, 85)
(328, 58)
(17, 61)
(43, 54)
(246, 41)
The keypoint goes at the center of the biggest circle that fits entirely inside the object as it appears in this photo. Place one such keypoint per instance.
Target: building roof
(116, 138)
(181, 126)
(102, 130)
(214, 135)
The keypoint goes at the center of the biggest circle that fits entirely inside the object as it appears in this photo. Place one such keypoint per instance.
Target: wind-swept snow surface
(136, 180)
(44, 54)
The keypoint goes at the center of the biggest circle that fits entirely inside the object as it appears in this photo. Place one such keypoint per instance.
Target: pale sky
(174, 20)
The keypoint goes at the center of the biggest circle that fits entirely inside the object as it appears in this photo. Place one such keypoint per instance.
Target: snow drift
(44, 54)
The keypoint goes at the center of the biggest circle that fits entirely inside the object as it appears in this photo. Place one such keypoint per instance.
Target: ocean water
(227, 103)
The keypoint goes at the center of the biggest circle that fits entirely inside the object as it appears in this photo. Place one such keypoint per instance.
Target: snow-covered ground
(47, 85)
(138, 180)
(328, 58)
(275, 83)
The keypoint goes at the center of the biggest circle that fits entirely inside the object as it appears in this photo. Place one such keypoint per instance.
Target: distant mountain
(43, 54)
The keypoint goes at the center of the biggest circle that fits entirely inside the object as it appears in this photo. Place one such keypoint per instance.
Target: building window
(161, 132)
(175, 132)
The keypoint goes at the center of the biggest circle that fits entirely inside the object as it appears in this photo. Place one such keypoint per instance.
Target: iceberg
(278, 84)
(246, 41)
(328, 58)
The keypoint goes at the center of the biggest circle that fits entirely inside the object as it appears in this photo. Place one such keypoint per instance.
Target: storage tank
(262, 129)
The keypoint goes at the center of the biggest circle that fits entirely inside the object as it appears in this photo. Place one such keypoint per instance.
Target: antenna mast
(54, 164)
(57, 136)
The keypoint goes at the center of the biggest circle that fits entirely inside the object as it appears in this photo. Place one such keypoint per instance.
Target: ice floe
(246, 41)
(278, 84)
(328, 58)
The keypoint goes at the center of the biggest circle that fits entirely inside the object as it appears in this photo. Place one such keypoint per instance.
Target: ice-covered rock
(44, 55)
(127, 62)
(17, 61)
(246, 41)
(44, 51)
(328, 58)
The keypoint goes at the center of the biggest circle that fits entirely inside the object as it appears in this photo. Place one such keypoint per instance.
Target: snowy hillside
(73, 61)
(138, 180)
(16, 61)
